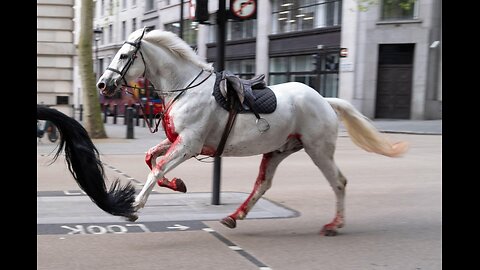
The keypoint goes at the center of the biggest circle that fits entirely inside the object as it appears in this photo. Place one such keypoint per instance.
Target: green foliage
(364, 5)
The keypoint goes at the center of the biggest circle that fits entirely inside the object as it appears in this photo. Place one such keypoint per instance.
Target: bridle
(131, 58)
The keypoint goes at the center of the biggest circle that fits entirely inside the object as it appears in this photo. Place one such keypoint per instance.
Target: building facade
(394, 64)
(390, 65)
(55, 52)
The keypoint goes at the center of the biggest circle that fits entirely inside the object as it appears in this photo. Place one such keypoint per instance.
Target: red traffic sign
(243, 9)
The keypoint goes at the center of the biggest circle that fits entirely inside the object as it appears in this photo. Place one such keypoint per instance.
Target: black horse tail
(86, 167)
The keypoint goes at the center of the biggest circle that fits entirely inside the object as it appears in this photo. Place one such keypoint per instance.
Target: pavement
(393, 210)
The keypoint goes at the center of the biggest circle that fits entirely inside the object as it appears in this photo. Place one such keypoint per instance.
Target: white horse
(194, 122)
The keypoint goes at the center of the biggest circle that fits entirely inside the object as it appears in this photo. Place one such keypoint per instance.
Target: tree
(92, 119)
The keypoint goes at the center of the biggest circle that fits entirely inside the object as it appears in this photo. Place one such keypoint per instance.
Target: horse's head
(123, 67)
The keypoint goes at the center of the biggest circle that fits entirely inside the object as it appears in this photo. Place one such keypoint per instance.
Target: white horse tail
(363, 133)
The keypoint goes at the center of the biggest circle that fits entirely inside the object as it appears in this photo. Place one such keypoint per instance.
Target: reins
(165, 109)
(124, 70)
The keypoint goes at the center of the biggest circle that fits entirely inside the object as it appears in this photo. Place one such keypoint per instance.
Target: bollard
(81, 112)
(150, 114)
(125, 114)
(137, 114)
(129, 120)
(115, 112)
(105, 112)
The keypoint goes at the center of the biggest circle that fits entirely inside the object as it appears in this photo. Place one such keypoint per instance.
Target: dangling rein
(162, 113)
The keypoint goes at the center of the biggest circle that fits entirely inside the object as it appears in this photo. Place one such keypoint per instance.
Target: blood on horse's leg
(268, 166)
(325, 162)
(338, 186)
(176, 154)
(156, 151)
(176, 184)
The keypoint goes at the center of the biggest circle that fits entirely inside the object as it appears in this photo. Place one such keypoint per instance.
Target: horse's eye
(123, 56)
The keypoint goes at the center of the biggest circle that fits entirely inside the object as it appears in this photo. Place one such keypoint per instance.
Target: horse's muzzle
(107, 89)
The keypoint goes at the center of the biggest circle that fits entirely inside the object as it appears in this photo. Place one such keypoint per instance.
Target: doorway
(394, 81)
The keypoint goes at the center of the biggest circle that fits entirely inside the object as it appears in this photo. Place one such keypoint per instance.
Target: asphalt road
(393, 214)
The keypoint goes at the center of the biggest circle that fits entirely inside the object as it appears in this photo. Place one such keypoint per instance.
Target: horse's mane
(177, 46)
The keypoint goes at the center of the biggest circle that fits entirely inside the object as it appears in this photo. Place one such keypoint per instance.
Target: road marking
(118, 227)
(178, 227)
(137, 182)
(237, 249)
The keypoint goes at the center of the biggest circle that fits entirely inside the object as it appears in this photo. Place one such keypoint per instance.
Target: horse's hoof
(137, 206)
(132, 217)
(180, 185)
(229, 222)
(328, 232)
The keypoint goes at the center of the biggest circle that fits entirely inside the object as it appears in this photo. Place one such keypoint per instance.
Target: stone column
(264, 24)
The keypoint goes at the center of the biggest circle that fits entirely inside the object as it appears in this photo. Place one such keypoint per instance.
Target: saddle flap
(235, 84)
(242, 87)
(262, 98)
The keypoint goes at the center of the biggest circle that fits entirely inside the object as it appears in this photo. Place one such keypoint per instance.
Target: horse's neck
(167, 72)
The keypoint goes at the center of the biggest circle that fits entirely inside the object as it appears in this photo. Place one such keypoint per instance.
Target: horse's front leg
(179, 151)
(153, 153)
(156, 151)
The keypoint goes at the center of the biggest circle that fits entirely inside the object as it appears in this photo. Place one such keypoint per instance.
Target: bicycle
(50, 129)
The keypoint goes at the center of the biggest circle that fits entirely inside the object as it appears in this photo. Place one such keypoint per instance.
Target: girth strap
(232, 115)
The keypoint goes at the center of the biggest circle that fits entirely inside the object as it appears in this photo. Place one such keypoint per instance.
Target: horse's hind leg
(324, 161)
(268, 166)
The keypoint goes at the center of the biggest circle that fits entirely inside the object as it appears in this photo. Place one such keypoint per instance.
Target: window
(244, 68)
(289, 15)
(134, 24)
(241, 29)
(134, 3)
(294, 68)
(102, 7)
(317, 71)
(101, 39)
(190, 31)
(62, 100)
(110, 8)
(149, 5)
(124, 30)
(100, 65)
(236, 30)
(399, 10)
(110, 33)
(124, 4)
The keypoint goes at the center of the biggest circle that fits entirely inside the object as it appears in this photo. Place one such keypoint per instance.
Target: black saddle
(250, 95)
